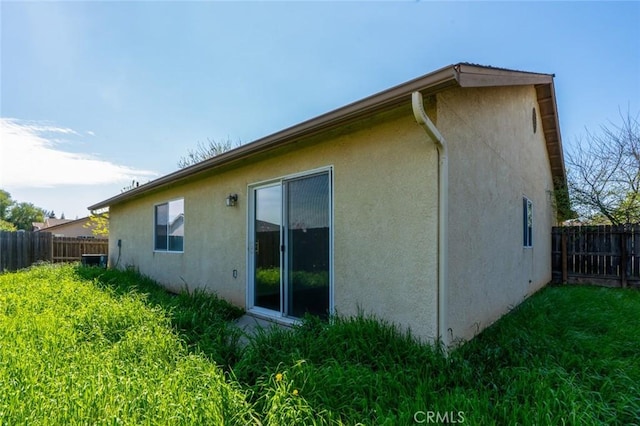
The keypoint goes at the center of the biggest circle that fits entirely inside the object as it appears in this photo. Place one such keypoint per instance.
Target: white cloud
(29, 159)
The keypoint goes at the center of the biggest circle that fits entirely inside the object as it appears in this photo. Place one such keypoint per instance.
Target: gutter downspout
(443, 212)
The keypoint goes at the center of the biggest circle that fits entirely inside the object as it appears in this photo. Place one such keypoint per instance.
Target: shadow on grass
(201, 319)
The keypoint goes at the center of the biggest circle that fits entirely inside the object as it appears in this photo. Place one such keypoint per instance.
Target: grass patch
(93, 346)
(201, 319)
(73, 353)
(568, 355)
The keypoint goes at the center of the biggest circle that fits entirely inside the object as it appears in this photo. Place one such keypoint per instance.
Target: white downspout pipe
(443, 213)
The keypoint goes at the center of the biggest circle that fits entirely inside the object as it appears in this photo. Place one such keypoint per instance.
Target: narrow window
(169, 226)
(527, 222)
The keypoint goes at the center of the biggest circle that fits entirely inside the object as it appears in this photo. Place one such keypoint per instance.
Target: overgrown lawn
(72, 352)
(81, 345)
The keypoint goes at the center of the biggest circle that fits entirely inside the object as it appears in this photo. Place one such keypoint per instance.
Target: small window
(169, 226)
(527, 222)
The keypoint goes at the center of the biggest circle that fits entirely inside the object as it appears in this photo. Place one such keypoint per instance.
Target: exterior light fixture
(232, 200)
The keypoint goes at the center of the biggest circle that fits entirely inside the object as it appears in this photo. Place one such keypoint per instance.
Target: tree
(14, 215)
(604, 174)
(7, 226)
(22, 215)
(205, 151)
(100, 224)
(5, 204)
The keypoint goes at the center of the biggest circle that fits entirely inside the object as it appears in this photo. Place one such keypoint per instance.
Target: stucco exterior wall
(495, 159)
(384, 222)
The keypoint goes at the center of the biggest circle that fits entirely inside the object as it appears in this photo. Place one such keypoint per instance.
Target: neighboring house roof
(67, 227)
(176, 226)
(49, 222)
(459, 75)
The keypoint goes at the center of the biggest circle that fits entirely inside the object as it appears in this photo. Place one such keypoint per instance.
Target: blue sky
(95, 94)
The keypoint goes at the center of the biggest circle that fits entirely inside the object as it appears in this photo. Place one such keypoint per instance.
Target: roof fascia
(469, 75)
(551, 127)
(476, 76)
(71, 222)
(460, 75)
(388, 99)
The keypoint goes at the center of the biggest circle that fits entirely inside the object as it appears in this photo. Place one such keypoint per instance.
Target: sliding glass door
(307, 245)
(292, 246)
(268, 224)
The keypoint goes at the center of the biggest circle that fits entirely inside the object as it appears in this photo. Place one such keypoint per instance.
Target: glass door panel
(307, 246)
(268, 223)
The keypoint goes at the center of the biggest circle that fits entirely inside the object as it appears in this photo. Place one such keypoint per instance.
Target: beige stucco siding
(72, 229)
(384, 222)
(495, 159)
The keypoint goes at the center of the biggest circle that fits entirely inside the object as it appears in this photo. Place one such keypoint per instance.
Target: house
(48, 222)
(77, 228)
(429, 204)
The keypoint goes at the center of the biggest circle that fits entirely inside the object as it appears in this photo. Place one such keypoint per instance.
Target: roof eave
(469, 75)
(460, 75)
(551, 128)
(433, 82)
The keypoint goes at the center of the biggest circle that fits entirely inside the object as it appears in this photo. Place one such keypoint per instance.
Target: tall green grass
(73, 353)
(569, 353)
(201, 319)
(567, 356)
(82, 345)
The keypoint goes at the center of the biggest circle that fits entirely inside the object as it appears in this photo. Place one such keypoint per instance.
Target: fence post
(623, 256)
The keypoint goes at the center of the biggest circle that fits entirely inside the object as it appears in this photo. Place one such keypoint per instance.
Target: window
(169, 226)
(527, 222)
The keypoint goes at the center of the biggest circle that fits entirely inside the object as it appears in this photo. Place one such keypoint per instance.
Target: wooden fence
(608, 255)
(22, 249)
(66, 249)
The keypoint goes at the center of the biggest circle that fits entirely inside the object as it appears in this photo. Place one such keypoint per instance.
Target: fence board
(22, 249)
(66, 249)
(606, 255)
